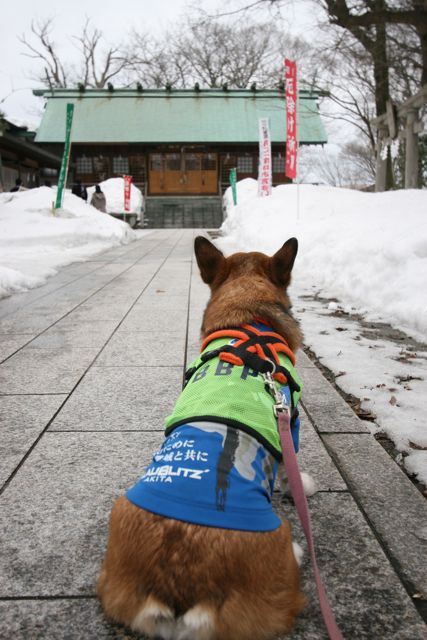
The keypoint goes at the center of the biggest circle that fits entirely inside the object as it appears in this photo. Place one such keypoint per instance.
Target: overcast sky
(114, 19)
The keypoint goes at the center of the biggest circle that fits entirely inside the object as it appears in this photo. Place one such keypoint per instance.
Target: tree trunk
(382, 86)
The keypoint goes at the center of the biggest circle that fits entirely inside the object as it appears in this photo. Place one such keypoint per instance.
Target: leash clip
(280, 402)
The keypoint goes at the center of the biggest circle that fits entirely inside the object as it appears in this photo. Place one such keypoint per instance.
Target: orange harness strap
(274, 343)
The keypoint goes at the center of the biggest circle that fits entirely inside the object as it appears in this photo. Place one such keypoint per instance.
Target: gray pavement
(91, 363)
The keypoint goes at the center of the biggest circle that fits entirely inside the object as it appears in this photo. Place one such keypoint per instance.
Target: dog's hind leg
(155, 620)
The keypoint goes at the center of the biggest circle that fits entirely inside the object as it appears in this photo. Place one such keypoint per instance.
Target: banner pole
(65, 157)
(233, 179)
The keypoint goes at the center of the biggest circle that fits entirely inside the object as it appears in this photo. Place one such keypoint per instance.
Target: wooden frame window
(245, 164)
(84, 164)
(209, 162)
(192, 161)
(121, 165)
(278, 163)
(173, 161)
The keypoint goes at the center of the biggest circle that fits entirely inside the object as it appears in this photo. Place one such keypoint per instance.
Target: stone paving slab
(121, 398)
(69, 333)
(22, 420)
(55, 512)
(367, 597)
(65, 618)
(326, 408)
(148, 317)
(397, 511)
(67, 275)
(160, 303)
(143, 350)
(34, 371)
(315, 460)
(26, 322)
(44, 312)
(11, 343)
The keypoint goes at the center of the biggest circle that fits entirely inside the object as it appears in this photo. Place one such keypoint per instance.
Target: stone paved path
(90, 365)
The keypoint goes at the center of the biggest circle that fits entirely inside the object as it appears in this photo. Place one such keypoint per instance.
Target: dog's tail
(157, 620)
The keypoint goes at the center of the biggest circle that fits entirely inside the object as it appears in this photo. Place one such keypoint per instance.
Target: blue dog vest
(210, 474)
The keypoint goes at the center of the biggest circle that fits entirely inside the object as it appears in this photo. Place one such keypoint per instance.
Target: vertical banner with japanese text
(128, 182)
(65, 156)
(291, 95)
(264, 169)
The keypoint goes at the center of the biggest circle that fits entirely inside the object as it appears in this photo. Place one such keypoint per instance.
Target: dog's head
(249, 285)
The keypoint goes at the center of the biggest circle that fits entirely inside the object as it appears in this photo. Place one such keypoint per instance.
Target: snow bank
(113, 189)
(34, 243)
(367, 249)
(370, 252)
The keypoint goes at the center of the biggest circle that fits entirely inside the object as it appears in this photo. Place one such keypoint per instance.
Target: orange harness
(266, 346)
(257, 349)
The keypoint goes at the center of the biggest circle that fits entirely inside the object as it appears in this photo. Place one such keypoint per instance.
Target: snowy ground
(360, 292)
(113, 189)
(34, 242)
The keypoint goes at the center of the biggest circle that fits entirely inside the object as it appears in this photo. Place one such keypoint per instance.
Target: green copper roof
(156, 116)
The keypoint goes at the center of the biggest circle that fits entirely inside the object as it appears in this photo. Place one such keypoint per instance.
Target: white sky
(16, 99)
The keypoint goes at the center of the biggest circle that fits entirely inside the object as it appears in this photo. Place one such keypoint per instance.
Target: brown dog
(176, 580)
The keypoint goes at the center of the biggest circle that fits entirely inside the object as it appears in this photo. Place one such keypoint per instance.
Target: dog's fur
(170, 579)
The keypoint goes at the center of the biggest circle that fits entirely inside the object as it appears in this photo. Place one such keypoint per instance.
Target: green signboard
(66, 156)
(233, 185)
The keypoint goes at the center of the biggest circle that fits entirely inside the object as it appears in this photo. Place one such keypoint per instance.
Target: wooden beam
(411, 152)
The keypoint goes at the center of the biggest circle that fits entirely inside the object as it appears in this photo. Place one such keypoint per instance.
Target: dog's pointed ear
(209, 258)
(283, 261)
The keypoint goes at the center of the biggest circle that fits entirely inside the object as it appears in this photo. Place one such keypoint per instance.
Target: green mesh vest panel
(233, 395)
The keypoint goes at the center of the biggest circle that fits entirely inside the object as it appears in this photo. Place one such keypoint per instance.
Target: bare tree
(361, 158)
(97, 64)
(348, 168)
(217, 53)
(212, 52)
(98, 67)
(55, 74)
(156, 62)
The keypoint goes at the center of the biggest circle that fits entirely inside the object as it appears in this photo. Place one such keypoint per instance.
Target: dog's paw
(155, 620)
(298, 552)
(197, 624)
(310, 487)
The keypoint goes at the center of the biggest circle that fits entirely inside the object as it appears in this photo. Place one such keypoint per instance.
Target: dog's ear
(283, 261)
(209, 258)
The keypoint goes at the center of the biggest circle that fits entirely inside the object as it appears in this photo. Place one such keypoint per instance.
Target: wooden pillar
(381, 162)
(411, 152)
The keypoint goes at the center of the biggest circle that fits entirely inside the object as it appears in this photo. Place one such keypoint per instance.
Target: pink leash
(281, 411)
(300, 500)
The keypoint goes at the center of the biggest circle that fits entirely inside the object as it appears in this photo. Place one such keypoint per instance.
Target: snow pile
(113, 189)
(367, 249)
(34, 243)
(362, 260)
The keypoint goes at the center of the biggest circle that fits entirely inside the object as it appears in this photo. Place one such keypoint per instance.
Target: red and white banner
(291, 94)
(128, 182)
(264, 169)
